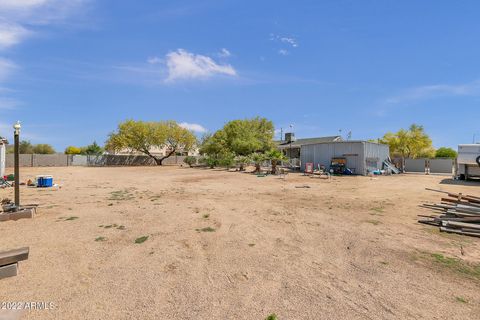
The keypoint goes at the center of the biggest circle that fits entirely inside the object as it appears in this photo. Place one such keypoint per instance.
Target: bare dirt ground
(227, 245)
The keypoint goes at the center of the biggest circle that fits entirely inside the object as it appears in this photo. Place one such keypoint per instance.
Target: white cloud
(195, 127)
(183, 65)
(283, 52)
(11, 34)
(437, 90)
(224, 53)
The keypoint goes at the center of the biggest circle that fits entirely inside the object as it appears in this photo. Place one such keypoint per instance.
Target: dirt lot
(227, 245)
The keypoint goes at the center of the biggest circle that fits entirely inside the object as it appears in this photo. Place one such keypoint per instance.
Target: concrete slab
(10, 270)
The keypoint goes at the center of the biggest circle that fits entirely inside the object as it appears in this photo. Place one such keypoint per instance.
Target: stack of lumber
(457, 213)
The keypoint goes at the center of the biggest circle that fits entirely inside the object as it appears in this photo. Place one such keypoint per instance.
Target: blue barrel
(44, 181)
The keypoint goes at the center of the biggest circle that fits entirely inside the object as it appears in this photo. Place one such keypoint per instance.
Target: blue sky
(71, 70)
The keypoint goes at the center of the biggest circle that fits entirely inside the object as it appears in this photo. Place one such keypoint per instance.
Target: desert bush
(190, 160)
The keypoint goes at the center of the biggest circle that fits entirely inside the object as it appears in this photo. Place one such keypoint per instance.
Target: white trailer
(468, 161)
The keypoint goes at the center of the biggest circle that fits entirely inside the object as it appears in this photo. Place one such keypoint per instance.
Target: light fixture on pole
(16, 133)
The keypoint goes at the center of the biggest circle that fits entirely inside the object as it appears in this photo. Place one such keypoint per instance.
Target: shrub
(190, 160)
(209, 161)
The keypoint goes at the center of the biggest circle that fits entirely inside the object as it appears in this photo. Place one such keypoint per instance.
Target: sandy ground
(349, 248)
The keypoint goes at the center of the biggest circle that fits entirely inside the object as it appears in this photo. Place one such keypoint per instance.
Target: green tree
(411, 143)
(92, 149)
(73, 150)
(445, 152)
(240, 138)
(43, 148)
(24, 147)
(140, 136)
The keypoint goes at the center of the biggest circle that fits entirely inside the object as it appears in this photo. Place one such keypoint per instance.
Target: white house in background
(3, 149)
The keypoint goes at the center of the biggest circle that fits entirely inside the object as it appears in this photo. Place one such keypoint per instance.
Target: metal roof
(299, 142)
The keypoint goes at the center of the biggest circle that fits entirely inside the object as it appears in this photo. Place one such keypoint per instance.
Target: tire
(461, 177)
(478, 160)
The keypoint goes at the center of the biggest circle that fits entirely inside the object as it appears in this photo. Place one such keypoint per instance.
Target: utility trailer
(468, 161)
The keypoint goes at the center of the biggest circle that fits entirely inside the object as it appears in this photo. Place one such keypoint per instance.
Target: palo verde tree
(143, 137)
(411, 143)
(72, 150)
(240, 138)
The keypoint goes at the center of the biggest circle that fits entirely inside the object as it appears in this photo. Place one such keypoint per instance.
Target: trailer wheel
(461, 177)
(478, 160)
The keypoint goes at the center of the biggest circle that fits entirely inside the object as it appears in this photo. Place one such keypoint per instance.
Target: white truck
(468, 161)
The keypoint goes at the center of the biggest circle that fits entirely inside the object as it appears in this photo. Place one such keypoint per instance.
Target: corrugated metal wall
(375, 154)
(360, 155)
(415, 165)
(441, 165)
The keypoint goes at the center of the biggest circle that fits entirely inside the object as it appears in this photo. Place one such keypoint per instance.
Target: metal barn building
(362, 156)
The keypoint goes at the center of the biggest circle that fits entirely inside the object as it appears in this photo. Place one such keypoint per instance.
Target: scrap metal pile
(458, 213)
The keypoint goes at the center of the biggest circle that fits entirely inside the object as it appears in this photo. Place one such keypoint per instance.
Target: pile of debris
(459, 214)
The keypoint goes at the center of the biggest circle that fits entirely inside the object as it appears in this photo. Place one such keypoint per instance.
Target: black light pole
(291, 131)
(17, 127)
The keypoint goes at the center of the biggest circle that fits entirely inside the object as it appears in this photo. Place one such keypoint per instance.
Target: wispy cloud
(286, 42)
(11, 34)
(224, 53)
(18, 21)
(183, 65)
(435, 91)
(39, 12)
(195, 127)
(19, 18)
(290, 41)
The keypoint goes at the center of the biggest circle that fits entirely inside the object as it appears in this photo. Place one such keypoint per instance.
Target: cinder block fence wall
(64, 160)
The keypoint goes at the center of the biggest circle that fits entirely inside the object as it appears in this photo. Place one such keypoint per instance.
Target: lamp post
(17, 127)
(291, 131)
